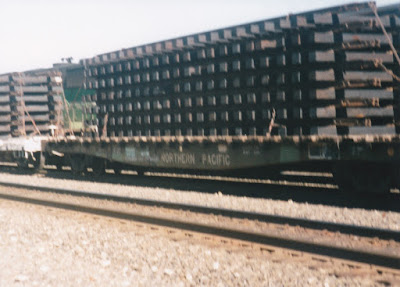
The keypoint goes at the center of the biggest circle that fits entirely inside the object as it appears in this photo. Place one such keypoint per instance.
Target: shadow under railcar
(274, 188)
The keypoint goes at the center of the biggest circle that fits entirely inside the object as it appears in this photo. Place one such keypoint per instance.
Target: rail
(382, 259)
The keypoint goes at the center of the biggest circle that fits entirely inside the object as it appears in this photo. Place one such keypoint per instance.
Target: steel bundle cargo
(326, 72)
(30, 104)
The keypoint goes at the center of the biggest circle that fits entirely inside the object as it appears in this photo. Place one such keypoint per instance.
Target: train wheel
(117, 170)
(22, 163)
(98, 166)
(374, 180)
(363, 178)
(78, 165)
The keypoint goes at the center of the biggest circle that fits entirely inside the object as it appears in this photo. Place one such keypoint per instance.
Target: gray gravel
(41, 246)
(371, 218)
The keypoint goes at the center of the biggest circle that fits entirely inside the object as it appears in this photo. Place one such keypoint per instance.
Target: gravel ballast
(356, 216)
(42, 246)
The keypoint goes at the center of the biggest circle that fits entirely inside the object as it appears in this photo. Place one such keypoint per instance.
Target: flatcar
(315, 91)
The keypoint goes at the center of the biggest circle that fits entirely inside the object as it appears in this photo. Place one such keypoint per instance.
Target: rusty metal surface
(285, 76)
(28, 102)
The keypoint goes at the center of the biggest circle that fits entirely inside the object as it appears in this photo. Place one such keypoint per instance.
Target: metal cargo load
(27, 106)
(325, 72)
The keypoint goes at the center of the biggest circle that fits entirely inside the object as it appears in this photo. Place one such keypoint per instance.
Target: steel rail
(355, 255)
(363, 231)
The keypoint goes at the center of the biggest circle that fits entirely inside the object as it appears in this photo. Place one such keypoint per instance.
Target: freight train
(317, 90)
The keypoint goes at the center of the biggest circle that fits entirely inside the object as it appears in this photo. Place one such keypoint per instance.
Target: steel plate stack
(29, 104)
(326, 72)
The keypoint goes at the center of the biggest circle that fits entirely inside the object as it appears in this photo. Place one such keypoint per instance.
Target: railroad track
(378, 259)
(304, 223)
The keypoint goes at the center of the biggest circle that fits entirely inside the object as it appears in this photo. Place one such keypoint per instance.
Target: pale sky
(38, 33)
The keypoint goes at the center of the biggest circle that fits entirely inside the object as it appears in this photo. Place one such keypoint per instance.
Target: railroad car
(317, 90)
